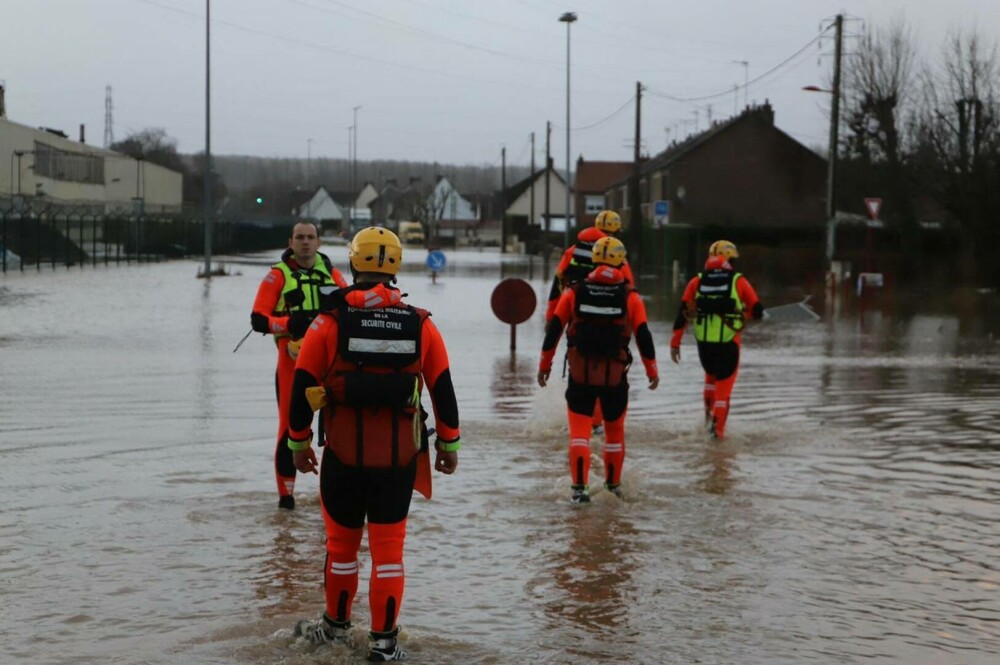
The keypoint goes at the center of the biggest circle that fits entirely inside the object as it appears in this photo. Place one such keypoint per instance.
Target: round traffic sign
(436, 260)
(513, 301)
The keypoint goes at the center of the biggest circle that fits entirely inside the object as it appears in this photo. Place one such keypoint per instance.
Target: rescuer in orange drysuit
(369, 359)
(576, 263)
(287, 299)
(718, 301)
(601, 315)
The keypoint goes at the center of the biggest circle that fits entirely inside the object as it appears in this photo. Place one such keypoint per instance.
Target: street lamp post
(568, 18)
(309, 143)
(207, 167)
(354, 164)
(831, 171)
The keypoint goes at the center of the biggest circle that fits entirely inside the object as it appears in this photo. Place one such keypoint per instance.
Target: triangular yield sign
(873, 205)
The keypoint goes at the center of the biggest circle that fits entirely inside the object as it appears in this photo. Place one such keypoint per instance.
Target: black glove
(298, 323)
(259, 323)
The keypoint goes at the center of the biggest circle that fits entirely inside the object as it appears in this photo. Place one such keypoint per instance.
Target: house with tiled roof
(741, 172)
(591, 181)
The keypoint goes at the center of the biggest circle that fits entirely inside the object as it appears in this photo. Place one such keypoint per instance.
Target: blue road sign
(661, 212)
(436, 260)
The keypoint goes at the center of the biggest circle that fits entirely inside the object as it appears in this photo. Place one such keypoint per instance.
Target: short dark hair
(291, 232)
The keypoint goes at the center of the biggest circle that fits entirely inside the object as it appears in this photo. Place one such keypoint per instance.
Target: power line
(327, 49)
(421, 32)
(611, 115)
(729, 91)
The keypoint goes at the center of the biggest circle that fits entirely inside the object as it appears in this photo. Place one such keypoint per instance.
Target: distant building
(590, 183)
(323, 209)
(517, 210)
(46, 165)
(741, 172)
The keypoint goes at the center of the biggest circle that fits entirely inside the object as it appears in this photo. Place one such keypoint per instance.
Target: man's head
(608, 221)
(304, 243)
(375, 254)
(608, 252)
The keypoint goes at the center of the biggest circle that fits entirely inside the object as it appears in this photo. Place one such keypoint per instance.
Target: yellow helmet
(609, 251)
(375, 249)
(608, 221)
(725, 249)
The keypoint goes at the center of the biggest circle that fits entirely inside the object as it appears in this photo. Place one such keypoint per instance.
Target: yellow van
(411, 233)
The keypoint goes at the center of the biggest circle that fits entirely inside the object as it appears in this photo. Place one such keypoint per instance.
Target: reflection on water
(720, 459)
(512, 384)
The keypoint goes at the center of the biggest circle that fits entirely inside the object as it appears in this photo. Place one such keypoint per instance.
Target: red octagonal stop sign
(513, 301)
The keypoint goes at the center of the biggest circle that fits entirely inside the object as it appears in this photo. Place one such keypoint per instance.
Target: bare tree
(959, 133)
(881, 86)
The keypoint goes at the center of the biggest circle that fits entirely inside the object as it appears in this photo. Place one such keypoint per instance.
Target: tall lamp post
(207, 173)
(831, 160)
(568, 18)
(831, 172)
(354, 163)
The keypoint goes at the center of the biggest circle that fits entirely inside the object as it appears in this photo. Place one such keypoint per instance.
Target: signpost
(435, 262)
(661, 213)
(513, 301)
(869, 278)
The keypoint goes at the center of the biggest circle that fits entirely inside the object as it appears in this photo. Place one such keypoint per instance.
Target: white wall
(160, 187)
(557, 199)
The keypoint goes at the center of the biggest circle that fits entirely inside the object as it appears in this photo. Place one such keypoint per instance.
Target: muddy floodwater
(852, 515)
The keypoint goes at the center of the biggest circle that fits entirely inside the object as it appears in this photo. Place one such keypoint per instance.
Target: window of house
(68, 166)
(594, 203)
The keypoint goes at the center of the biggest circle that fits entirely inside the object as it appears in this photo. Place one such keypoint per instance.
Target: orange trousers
(584, 404)
(716, 395)
(284, 467)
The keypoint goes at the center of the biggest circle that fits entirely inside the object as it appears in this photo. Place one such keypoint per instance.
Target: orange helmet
(608, 221)
(725, 249)
(609, 251)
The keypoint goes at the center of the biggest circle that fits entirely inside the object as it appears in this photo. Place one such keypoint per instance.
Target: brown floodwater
(849, 517)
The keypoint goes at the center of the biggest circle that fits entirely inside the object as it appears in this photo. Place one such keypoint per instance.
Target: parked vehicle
(411, 233)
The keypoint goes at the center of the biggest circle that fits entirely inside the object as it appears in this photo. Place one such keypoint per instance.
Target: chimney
(82, 134)
(413, 180)
(390, 182)
(3, 107)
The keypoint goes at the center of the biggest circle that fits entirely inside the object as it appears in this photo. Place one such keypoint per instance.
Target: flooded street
(849, 517)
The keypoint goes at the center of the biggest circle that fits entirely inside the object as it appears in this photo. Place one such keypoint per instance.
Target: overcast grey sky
(445, 80)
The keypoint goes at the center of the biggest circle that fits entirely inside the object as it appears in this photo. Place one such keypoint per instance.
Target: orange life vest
(599, 333)
(374, 386)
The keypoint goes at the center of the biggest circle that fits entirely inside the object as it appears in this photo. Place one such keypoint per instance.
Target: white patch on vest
(593, 309)
(367, 345)
(380, 323)
(710, 289)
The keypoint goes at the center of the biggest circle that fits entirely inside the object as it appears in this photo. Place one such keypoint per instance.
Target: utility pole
(354, 165)
(634, 204)
(531, 215)
(831, 191)
(503, 200)
(548, 175)
(207, 174)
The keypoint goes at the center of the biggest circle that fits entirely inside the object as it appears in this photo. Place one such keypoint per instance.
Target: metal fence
(33, 237)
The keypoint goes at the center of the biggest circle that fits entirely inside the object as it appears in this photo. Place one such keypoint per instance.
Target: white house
(518, 199)
(449, 205)
(321, 207)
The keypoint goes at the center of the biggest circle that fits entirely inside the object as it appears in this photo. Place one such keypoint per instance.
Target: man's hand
(653, 382)
(675, 354)
(446, 462)
(298, 324)
(543, 376)
(305, 461)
